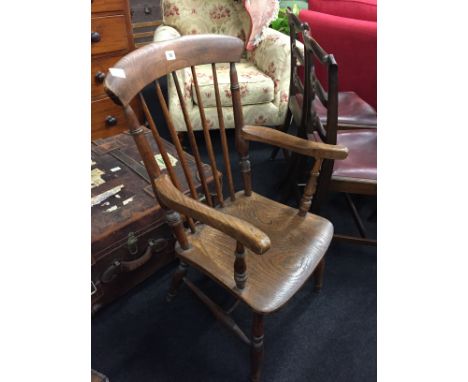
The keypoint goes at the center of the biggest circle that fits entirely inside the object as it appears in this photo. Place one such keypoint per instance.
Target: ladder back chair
(353, 111)
(319, 120)
(259, 250)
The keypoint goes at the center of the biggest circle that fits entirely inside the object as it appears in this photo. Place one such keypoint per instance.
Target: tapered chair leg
(256, 349)
(318, 275)
(177, 279)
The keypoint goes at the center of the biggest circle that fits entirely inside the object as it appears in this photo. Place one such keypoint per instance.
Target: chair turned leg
(318, 275)
(177, 278)
(256, 349)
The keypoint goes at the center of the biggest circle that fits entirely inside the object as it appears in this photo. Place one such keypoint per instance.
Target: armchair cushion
(272, 56)
(354, 9)
(255, 86)
(165, 32)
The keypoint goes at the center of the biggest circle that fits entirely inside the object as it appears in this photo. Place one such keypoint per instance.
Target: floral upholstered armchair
(263, 73)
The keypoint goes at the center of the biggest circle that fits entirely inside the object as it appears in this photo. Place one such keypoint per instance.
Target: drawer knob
(111, 120)
(95, 37)
(147, 10)
(100, 77)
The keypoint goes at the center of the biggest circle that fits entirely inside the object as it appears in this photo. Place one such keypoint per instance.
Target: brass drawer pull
(100, 76)
(95, 37)
(111, 121)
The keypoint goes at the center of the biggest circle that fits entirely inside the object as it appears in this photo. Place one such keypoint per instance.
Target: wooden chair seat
(297, 245)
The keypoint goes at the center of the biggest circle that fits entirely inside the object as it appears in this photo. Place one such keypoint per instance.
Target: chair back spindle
(175, 140)
(192, 140)
(163, 152)
(159, 142)
(222, 132)
(242, 146)
(206, 134)
(136, 130)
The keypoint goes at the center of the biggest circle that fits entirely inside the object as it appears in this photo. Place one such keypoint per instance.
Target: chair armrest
(290, 142)
(165, 32)
(244, 232)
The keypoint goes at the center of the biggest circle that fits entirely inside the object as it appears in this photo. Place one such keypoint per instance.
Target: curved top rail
(142, 66)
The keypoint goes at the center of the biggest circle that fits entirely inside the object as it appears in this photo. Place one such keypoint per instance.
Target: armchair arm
(272, 56)
(243, 232)
(290, 142)
(165, 32)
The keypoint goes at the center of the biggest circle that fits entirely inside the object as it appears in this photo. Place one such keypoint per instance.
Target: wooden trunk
(129, 237)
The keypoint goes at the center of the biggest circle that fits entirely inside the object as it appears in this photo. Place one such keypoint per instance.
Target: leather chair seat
(352, 110)
(361, 162)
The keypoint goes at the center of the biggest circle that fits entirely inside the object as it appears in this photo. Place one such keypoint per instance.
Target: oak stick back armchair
(260, 251)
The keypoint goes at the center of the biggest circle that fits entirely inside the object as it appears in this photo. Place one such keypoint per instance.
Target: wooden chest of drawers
(111, 38)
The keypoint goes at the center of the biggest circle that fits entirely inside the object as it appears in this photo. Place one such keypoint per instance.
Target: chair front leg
(256, 350)
(318, 275)
(177, 279)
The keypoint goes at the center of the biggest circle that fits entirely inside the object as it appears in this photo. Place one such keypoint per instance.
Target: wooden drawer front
(107, 5)
(101, 110)
(112, 34)
(99, 67)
